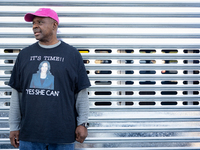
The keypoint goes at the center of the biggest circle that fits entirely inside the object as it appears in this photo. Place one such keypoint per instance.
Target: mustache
(36, 30)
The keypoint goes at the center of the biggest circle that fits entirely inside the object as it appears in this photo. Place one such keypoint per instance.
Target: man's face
(43, 28)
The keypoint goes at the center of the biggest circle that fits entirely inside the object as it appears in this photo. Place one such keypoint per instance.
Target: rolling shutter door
(142, 58)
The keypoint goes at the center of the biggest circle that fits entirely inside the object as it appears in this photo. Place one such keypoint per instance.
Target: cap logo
(40, 9)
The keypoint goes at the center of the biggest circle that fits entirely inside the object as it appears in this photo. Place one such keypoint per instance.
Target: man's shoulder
(31, 46)
(28, 48)
(68, 46)
(26, 51)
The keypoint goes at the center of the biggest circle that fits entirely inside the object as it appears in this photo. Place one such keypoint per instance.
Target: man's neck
(50, 46)
(51, 42)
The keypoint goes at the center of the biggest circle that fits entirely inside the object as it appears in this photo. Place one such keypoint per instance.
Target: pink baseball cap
(42, 12)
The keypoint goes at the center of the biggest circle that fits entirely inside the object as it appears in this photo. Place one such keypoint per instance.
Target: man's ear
(55, 25)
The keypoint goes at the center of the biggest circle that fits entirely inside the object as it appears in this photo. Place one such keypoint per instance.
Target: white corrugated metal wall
(142, 58)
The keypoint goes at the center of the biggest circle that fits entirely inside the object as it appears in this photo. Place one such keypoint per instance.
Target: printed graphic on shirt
(43, 79)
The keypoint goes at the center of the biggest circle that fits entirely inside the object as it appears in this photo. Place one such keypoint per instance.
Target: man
(48, 118)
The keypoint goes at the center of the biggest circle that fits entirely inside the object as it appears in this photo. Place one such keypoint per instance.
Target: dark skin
(14, 138)
(45, 30)
(81, 133)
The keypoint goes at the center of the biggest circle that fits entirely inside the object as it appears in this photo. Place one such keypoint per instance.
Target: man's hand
(81, 133)
(14, 138)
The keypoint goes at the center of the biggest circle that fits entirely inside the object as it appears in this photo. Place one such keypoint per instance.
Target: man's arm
(14, 118)
(82, 107)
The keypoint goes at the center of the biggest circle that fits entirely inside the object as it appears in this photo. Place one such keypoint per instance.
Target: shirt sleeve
(82, 106)
(15, 77)
(14, 113)
(83, 80)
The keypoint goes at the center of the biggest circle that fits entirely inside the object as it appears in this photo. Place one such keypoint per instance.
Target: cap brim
(30, 16)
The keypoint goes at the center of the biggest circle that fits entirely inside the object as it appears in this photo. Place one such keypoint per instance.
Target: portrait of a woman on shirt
(43, 79)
